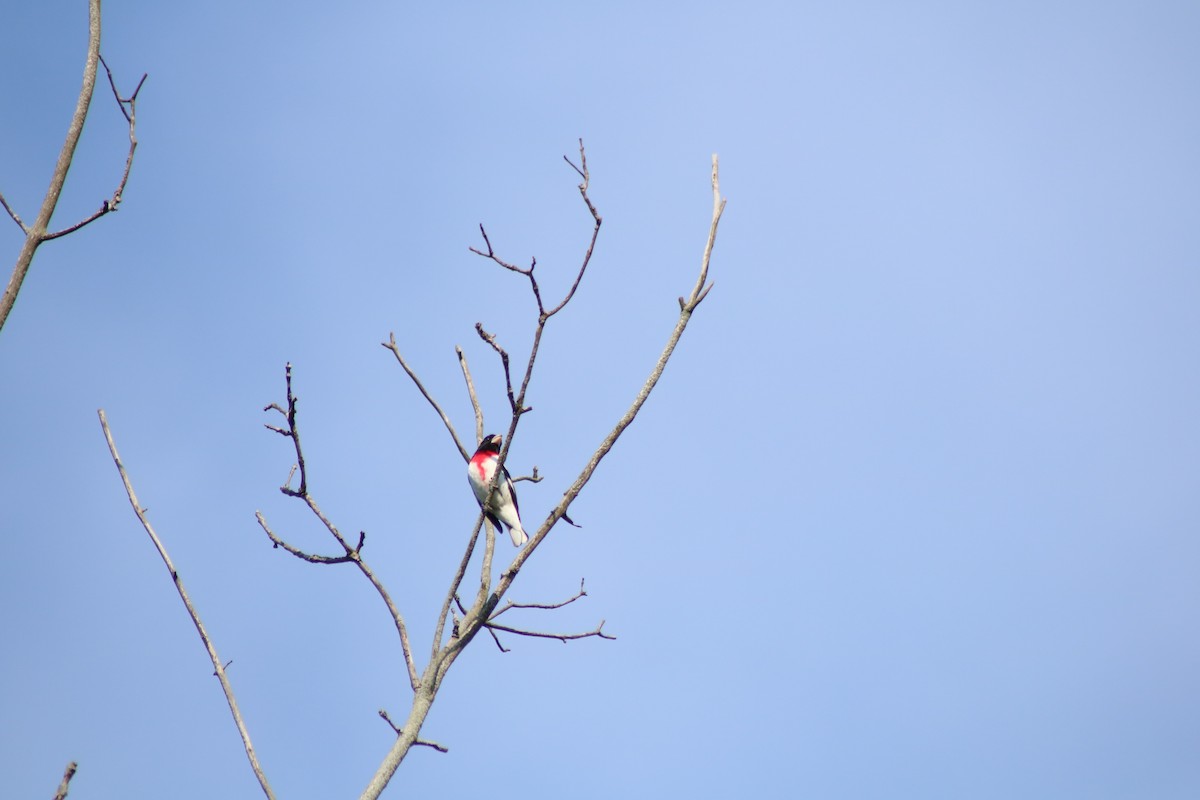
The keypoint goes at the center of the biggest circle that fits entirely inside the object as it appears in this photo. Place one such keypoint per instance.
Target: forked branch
(128, 108)
(352, 553)
(37, 232)
(400, 732)
(482, 613)
(687, 308)
(493, 626)
(543, 314)
(543, 606)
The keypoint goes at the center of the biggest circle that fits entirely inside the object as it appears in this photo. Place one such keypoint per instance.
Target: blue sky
(912, 514)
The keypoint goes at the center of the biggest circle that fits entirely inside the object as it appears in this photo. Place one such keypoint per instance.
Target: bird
(503, 506)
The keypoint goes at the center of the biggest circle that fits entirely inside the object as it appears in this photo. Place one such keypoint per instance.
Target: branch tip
(64, 785)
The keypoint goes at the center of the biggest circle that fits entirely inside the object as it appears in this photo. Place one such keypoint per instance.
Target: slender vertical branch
(37, 230)
(65, 784)
(489, 550)
(462, 360)
(454, 584)
(587, 257)
(686, 308)
(218, 665)
(699, 292)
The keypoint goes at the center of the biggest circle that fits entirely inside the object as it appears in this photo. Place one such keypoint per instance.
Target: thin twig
(391, 345)
(64, 785)
(297, 552)
(183, 595)
(492, 626)
(13, 214)
(492, 255)
(383, 713)
(583, 191)
(462, 361)
(534, 478)
(562, 637)
(490, 338)
(454, 584)
(685, 314)
(699, 292)
(353, 554)
(400, 732)
(111, 204)
(495, 638)
(543, 606)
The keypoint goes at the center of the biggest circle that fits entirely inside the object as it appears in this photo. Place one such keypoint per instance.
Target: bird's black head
(491, 443)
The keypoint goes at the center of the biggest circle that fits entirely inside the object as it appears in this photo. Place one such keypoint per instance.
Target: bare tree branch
(495, 638)
(441, 748)
(187, 602)
(543, 314)
(68, 773)
(490, 338)
(462, 361)
(562, 637)
(111, 204)
(353, 554)
(297, 552)
(492, 255)
(518, 403)
(483, 613)
(454, 584)
(583, 189)
(13, 214)
(478, 616)
(687, 308)
(292, 433)
(492, 626)
(36, 233)
(399, 731)
(544, 606)
(489, 550)
(391, 345)
(534, 478)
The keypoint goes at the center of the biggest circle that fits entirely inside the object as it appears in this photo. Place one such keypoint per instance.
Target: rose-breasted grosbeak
(503, 507)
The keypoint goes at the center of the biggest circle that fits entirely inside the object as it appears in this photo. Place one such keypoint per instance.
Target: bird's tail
(519, 537)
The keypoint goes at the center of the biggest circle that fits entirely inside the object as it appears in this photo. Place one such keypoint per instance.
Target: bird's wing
(512, 492)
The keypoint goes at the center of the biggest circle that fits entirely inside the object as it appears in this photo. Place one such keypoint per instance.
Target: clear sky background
(913, 514)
